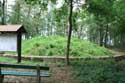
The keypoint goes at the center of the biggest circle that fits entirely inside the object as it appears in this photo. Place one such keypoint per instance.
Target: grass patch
(14, 61)
(56, 45)
(99, 71)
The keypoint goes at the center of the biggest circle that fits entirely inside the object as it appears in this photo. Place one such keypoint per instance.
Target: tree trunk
(3, 12)
(38, 30)
(18, 11)
(106, 36)
(29, 11)
(101, 36)
(80, 32)
(69, 32)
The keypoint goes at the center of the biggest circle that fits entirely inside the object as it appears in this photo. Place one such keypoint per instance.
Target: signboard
(8, 42)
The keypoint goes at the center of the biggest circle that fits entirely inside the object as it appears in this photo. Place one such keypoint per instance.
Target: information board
(8, 42)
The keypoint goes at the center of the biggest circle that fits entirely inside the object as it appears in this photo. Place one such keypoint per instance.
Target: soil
(59, 75)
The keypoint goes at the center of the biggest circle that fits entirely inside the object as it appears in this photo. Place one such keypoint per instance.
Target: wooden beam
(23, 66)
(19, 41)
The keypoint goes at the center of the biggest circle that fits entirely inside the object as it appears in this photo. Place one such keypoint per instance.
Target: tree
(0, 11)
(15, 18)
(119, 9)
(104, 16)
(99, 21)
(69, 32)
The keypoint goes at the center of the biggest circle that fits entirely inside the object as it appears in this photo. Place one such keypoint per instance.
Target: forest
(99, 21)
(82, 41)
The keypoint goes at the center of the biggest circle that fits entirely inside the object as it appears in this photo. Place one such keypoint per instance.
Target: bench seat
(36, 73)
(23, 73)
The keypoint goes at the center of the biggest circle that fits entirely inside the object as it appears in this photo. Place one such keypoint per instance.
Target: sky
(9, 4)
(10, 1)
(58, 5)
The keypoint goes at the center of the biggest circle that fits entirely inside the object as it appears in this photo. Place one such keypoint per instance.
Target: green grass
(14, 61)
(99, 71)
(56, 46)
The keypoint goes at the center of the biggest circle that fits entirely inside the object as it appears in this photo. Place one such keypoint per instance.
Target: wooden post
(19, 41)
(1, 77)
(38, 74)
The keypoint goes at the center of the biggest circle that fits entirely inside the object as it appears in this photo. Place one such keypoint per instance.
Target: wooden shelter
(10, 38)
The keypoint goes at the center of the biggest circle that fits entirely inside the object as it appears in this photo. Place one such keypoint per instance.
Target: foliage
(99, 71)
(56, 45)
(99, 21)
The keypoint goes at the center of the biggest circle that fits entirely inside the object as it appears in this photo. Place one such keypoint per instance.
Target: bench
(36, 73)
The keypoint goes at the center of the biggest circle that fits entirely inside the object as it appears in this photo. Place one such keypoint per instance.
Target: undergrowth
(99, 71)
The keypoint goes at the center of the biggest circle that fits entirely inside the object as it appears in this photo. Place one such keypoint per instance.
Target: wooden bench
(36, 73)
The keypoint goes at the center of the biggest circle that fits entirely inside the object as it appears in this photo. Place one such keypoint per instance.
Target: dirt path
(59, 75)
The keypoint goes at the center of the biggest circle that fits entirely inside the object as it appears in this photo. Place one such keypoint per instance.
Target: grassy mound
(55, 45)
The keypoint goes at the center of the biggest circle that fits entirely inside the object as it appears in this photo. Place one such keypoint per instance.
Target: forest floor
(60, 73)
(118, 51)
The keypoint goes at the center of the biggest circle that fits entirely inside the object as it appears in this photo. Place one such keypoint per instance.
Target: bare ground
(59, 75)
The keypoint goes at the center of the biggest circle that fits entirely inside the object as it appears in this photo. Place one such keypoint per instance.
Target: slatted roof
(11, 28)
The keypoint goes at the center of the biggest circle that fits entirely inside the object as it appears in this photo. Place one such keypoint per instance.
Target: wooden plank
(22, 73)
(23, 66)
